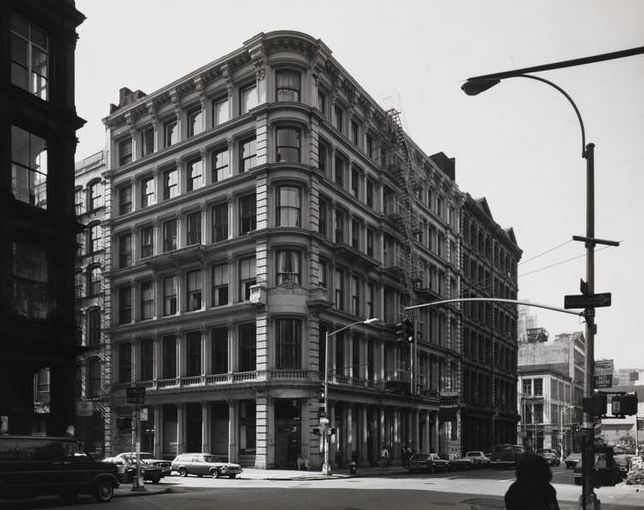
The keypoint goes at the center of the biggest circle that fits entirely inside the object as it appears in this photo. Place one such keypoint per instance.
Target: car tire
(232, 475)
(156, 479)
(217, 474)
(183, 472)
(103, 490)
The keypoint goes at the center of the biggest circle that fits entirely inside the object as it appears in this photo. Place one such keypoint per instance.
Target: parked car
(479, 458)
(126, 465)
(462, 463)
(505, 455)
(550, 456)
(605, 470)
(40, 465)
(429, 462)
(148, 458)
(572, 460)
(204, 464)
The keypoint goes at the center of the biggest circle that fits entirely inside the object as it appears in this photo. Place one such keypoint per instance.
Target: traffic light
(408, 327)
(400, 331)
(316, 431)
(624, 405)
(322, 394)
(595, 405)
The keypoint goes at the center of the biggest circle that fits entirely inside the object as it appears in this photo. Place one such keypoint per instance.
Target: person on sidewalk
(532, 489)
(384, 457)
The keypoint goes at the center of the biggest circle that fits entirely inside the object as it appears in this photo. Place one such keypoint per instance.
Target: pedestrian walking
(384, 457)
(532, 489)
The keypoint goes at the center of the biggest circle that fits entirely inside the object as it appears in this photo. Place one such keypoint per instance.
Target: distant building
(628, 377)
(38, 123)
(526, 320)
(551, 387)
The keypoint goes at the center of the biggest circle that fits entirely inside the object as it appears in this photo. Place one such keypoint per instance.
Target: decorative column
(436, 442)
(181, 442)
(364, 433)
(157, 450)
(233, 430)
(205, 427)
(262, 436)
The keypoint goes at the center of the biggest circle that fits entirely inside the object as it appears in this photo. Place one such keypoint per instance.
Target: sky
(518, 144)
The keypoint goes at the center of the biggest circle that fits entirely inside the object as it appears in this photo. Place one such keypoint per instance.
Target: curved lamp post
(474, 86)
(324, 421)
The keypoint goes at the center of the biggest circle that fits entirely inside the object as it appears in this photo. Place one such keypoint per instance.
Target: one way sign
(588, 301)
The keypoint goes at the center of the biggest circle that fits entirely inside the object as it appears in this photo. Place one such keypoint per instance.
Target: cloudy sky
(518, 144)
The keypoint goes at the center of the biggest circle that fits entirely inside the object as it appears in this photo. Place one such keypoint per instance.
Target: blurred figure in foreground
(532, 489)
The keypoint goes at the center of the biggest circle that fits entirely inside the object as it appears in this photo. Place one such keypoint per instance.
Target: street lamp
(474, 86)
(324, 421)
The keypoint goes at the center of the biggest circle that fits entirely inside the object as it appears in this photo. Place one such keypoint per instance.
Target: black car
(40, 465)
(429, 462)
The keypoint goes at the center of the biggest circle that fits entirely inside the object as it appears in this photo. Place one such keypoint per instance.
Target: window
(125, 362)
(247, 98)
(355, 132)
(220, 165)
(147, 192)
(93, 378)
(370, 192)
(32, 297)
(170, 184)
(355, 295)
(220, 222)
(169, 295)
(147, 300)
(95, 281)
(247, 154)
(247, 347)
(95, 240)
(170, 235)
(194, 172)
(355, 234)
(95, 196)
(78, 200)
(125, 304)
(288, 206)
(193, 353)
(125, 199)
(355, 182)
(147, 141)
(370, 146)
(147, 359)
(538, 387)
(125, 151)
(170, 132)
(28, 168)
(195, 121)
(94, 326)
(287, 144)
(220, 111)
(193, 290)
(147, 241)
(370, 235)
(220, 284)
(125, 250)
(339, 171)
(29, 57)
(322, 100)
(339, 118)
(289, 343)
(193, 228)
(323, 157)
(287, 86)
(247, 214)
(323, 277)
(219, 352)
(371, 300)
(246, 277)
(288, 267)
(339, 226)
(169, 356)
(527, 387)
(338, 283)
(324, 217)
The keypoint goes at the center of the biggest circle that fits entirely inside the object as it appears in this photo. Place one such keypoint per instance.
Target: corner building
(255, 205)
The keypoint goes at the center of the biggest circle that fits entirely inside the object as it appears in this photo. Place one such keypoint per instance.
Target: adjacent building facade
(551, 387)
(251, 209)
(490, 256)
(38, 123)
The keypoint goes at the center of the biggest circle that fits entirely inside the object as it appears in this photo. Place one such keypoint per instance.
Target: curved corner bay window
(32, 293)
(95, 282)
(288, 206)
(28, 168)
(287, 144)
(288, 267)
(287, 86)
(29, 57)
(289, 343)
(247, 278)
(247, 214)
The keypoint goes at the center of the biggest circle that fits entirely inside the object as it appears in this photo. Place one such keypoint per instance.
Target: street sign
(135, 394)
(590, 301)
(603, 381)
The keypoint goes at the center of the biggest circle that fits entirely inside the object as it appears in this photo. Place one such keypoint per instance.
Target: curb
(126, 493)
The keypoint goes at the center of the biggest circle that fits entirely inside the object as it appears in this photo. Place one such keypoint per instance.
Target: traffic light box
(624, 405)
(405, 330)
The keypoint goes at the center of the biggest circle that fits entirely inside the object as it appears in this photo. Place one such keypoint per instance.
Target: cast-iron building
(38, 124)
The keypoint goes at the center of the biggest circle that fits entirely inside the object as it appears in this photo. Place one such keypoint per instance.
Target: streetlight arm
(340, 330)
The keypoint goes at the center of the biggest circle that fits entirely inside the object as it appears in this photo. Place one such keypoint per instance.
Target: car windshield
(146, 456)
(210, 458)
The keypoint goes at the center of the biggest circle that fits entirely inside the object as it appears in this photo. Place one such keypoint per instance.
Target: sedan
(462, 463)
(479, 458)
(572, 460)
(429, 462)
(127, 469)
(204, 464)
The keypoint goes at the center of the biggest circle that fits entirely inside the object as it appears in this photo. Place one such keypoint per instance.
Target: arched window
(288, 143)
(94, 195)
(94, 326)
(94, 238)
(94, 281)
(287, 85)
(288, 267)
